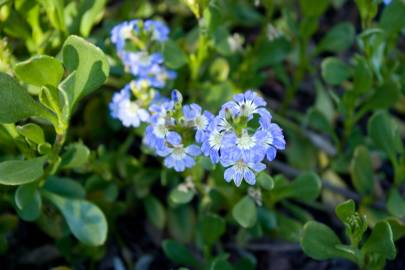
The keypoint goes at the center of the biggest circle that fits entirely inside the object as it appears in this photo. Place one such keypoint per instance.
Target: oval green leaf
(18, 172)
(85, 220)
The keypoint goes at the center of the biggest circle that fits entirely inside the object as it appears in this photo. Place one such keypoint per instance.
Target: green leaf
(265, 181)
(76, 155)
(16, 104)
(54, 11)
(345, 210)
(173, 55)
(313, 8)
(94, 10)
(40, 70)
(396, 204)
(85, 219)
(338, 39)
(363, 76)
(321, 243)
(65, 187)
(245, 212)
(305, 187)
(32, 132)
(385, 134)
(384, 96)
(380, 241)
(334, 70)
(87, 65)
(221, 263)
(155, 211)
(181, 223)
(368, 9)
(18, 172)
(267, 218)
(209, 229)
(355, 223)
(180, 196)
(179, 253)
(392, 18)
(28, 202)
(361, 170)
(397, 228)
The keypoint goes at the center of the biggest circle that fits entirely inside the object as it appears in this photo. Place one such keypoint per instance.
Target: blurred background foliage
(333, 74)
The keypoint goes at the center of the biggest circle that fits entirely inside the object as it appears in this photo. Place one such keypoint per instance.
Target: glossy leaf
(384, 134)
(210, 228)
(245, 212)
(320, 242)
(18, 172)
(16, 104)
(380, 241)
(40, 70)
(265, 181)
(305, 187)
(65, 187)
(179, 196)
(87, 65)
(28, 202)
(173, 55)
(85, 219)
(395, 203)
(339, 38)
(32, 132)
(334, 70)
(75, 156)
(155, 211)
(362, 171)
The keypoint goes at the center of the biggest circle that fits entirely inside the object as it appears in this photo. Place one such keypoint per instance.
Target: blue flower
(241, 136)
(239, 169)
(146, 65)
(123, 31)
(178, 156)
(129, 112)
(198, 119)
(160, 31)
(272, 139)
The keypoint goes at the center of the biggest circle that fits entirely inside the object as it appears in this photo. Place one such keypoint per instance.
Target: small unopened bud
(177, 96)
(228, 114)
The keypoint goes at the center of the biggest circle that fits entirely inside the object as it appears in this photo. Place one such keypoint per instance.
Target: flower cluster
(129, 110)
(137, 44)
(240, 138)
(174, 129)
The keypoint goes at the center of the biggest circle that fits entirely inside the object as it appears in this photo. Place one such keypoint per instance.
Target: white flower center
(130, 107)
(179, 153)
(269, 139)
(215, 140)
(245, 141)
(240, 165)
(247, 108)
(160, 130)
(201, 122)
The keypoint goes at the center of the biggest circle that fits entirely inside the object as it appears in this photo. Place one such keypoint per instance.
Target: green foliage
(85, 220)
(40, 70)
(334, 83)
(87, 66)
(245, 212)
(320, 242)
(16, 103)
(18, 172)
